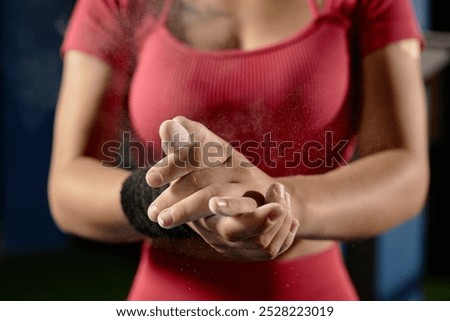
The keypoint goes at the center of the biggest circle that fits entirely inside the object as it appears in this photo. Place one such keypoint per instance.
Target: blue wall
(423, 9)
(31, 33)
(400, 254)
(400, 257)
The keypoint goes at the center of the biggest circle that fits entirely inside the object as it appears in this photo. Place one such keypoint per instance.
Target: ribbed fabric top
(289, 105)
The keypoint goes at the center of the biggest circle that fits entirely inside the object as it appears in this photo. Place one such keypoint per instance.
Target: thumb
(173, 136)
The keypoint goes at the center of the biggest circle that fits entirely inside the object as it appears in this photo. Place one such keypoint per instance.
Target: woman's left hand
(240, 229)
(205, 168)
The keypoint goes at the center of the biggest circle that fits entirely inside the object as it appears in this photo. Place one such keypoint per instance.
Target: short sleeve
(98, 28)
(381, 22)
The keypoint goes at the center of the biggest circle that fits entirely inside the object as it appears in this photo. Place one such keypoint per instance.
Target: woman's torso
(251, 71)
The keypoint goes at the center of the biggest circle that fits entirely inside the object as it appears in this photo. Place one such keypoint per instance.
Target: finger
(243, 249)
(264, 219)
(163, 201)
(229, 206)
(196, 205)
(177, 164)
(232, 249)
(186, 186)
(197, 180)
(283, 239)
(294, 227)
(288, 202)
(212, 237)
(195, 227)
(276, 193)
(173, 136)
(252, 225)
(205, 150)
(291, 236)
(201, 132)
(207, 227)
(215, 150)
(215, 240)
(278, 240)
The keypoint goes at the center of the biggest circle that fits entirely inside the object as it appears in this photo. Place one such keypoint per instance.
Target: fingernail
(165, 219)
(153, 213)
(294, 226)
(222, 203)
(288, 200)
(154, 179)
(280, 190)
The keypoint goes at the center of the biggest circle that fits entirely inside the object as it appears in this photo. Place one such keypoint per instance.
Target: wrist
(136, 196)
(302, 206)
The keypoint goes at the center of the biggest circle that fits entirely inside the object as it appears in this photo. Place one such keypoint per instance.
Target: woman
(297, 85)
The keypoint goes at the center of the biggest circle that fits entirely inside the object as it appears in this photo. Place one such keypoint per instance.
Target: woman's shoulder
(130, 9)
(110, 29)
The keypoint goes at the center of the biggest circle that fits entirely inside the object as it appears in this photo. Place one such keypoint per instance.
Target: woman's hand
(240, 229)
(206, 167)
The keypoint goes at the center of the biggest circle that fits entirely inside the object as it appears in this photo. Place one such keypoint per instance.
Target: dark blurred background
(37, 262)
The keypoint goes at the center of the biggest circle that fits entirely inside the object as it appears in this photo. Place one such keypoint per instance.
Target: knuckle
(286, 245)
(252, 173)
(196, 152)
(272, 250)
(215, 190)
(263, 241)
(178, 214)
(282, 211)
(180, 158)
(226, 233)
(180, 118)
(192, 180)
(201, 129)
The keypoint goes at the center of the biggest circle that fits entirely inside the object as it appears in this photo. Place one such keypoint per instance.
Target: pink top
(296, 93)
(295, 96)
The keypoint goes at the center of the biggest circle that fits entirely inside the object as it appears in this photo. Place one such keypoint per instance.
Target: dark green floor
(76, 274)
(437, 288)
(90, 273)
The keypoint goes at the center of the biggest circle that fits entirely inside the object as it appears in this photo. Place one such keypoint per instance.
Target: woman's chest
(236, 24)
(305, 80)
(293, 90)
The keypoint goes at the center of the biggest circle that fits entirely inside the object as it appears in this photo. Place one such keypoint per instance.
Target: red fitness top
(296, 93)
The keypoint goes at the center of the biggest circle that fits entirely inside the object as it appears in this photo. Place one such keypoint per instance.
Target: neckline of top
(302, 32)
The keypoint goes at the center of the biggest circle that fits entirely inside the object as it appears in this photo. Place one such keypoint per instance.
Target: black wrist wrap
(136, 196)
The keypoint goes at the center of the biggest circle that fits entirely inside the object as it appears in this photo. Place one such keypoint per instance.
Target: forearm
(85, 201)
(361, 200)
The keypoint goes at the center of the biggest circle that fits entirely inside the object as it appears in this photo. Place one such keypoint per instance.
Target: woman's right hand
(240, 229)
